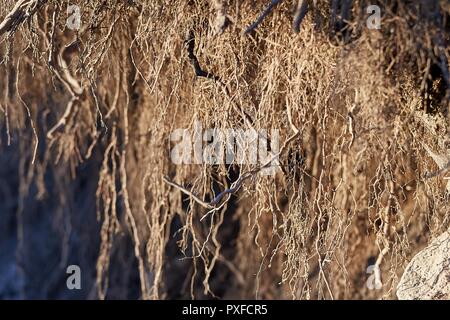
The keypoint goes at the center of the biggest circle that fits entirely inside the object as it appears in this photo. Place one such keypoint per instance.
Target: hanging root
(362, 126)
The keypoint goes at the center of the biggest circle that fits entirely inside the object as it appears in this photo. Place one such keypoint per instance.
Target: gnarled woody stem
(21, 11)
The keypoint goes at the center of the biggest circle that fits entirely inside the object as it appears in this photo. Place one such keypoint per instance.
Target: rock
(427, 276)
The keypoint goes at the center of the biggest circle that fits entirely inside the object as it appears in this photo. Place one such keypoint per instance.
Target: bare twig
(188, 193)
(263, 14)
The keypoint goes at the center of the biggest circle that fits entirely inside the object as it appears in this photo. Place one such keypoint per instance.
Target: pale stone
(427, 276)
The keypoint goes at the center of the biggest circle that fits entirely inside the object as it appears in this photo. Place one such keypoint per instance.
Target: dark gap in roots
(435, 95)
(340, 30)
(176, 269)
(123, 272)
(293, 163)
